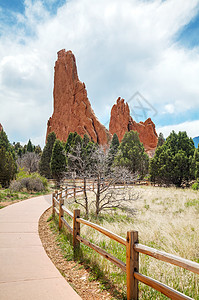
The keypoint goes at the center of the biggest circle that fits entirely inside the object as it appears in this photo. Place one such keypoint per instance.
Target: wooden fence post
(132, 265)
(61, 212)
(74, 191)
(76, 229)
(66, 192)
(60, 195)
(53, 205)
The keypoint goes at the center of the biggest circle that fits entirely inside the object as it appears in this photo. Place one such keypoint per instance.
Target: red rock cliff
(121, 121)
(1, 127)
(72, 109)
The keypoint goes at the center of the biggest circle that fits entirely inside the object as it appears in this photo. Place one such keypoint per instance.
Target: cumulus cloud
(120, 47)
(191, 127)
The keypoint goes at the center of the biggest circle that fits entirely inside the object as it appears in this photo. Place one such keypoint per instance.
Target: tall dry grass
(166, 219)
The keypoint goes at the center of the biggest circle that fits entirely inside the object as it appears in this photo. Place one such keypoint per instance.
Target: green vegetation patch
(192, 202)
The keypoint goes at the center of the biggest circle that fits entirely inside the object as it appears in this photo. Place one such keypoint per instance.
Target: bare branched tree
(110, 194)
(79, 162)
(111, 184)
(29, 161)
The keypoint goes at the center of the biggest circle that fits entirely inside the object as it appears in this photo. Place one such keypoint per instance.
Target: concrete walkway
(26, 272)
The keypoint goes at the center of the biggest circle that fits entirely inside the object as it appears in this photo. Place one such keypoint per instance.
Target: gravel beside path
(73, 272)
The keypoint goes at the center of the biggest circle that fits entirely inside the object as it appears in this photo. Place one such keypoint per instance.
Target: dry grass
(166, 219)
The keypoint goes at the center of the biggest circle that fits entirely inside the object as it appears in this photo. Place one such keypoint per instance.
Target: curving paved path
(26, 272)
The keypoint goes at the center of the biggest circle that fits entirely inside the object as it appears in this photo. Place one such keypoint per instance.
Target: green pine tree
(30, 147)
(8, 167)
(58, 162)
(38, 150)
(4, 142)
(161, 140)
(131, 154)
(195, 164)
(171, 163)
(70, 141)
(112, 152)
(44, 166)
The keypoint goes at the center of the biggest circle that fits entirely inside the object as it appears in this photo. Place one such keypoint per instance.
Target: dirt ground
(74, 273)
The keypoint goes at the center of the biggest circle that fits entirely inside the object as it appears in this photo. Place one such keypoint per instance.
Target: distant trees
(20, 150)
(44, 165)
(8, 166)
(30, 147)
(161, 139)
(29, 162)
(171, 163)
(131, 154)
(195, 164)
(112, 152)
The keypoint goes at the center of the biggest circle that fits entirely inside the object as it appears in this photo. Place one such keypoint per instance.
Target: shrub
(22, 174)
(33, 182)
(24, 182)
(15, 186)
(195, 186)
(41, 178)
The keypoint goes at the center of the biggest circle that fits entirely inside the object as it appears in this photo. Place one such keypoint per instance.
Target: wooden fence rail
(133, 248)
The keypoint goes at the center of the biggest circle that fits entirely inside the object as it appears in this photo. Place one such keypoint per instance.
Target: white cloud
(190, 127)
(120, 47)
(169, 108)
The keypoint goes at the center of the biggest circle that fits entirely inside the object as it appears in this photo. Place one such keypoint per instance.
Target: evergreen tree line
(13, 156)
(176, 160)
(20, 150)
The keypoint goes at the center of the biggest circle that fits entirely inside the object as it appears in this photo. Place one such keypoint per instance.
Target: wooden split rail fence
(133, 248)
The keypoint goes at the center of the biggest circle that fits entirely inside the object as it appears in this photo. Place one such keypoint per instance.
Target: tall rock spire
(72, 109)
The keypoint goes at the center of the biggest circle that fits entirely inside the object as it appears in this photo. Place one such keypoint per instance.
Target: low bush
(15, 186)
(33, 182)
(195, 186)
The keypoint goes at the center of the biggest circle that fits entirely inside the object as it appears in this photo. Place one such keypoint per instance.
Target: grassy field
(7, 197)
(166, 219)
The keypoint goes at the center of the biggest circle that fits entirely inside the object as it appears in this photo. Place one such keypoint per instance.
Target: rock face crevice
(72, 109)
(121, 121)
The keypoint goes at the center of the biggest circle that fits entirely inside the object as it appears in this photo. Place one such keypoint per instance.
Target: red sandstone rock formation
(73, 112)
(121, 121)
(1, 127)
(72, 109)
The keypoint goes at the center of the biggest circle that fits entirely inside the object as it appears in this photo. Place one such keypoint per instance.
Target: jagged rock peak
(72, 108)
(120, 118)
(121, 121)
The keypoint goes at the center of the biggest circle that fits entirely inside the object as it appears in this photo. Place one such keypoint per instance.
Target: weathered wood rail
(133, 248)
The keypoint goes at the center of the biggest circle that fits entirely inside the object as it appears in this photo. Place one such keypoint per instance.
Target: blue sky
(121, 47)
